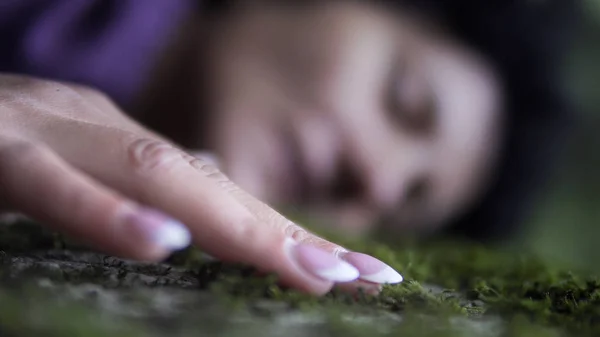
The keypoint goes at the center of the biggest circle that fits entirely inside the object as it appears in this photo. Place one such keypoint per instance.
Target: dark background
(565, 226)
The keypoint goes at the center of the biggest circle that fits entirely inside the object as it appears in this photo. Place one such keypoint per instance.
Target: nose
(388, 178)
(381, 172)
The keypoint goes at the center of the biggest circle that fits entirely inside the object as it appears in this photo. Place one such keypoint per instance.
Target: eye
(410, 100)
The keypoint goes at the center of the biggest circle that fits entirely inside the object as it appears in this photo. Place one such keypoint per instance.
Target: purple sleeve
(107, 44)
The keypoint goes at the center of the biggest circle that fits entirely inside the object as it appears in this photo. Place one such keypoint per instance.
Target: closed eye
(409, 100)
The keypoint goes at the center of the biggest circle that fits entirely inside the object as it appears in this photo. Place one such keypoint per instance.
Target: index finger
(223, 221)
(163, 177)
(372, 271)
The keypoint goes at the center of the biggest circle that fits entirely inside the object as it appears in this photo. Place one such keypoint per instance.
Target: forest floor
(50, 287)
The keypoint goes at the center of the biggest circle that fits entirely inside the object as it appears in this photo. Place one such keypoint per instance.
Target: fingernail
(160, 229)
(372, 269)
(322, 264)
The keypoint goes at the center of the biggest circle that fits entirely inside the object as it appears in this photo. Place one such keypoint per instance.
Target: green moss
(29, 312)
(477, 285)
(513, 285)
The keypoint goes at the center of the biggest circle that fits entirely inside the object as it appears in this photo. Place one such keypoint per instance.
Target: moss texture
(53, 287)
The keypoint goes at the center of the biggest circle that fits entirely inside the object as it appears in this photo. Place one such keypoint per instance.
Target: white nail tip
(173, 236)
(386, 275)
(342, 272)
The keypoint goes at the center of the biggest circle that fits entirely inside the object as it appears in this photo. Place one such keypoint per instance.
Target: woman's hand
(70, 159)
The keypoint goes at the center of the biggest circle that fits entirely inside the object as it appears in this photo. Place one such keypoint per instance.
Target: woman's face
(352, 114)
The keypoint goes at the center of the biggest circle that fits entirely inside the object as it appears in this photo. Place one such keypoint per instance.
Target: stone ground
(164, 300)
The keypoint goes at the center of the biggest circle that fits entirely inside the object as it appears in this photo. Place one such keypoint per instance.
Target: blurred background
(566, 224)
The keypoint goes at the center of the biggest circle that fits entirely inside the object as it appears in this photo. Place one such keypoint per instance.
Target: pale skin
(70, 159)
(73, 160)
(305, 96)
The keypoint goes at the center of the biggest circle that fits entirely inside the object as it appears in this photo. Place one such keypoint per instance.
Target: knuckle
(228, 185)
(150, 156)
(211, 171)
(296, 232)
(205, 167)
(301, 235)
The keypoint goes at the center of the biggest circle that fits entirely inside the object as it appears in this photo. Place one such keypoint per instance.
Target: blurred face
(356, 115)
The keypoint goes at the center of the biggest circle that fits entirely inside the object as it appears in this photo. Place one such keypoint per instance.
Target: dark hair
(527, 41)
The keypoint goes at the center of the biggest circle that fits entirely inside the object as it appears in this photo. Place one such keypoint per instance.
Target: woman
(358, 114)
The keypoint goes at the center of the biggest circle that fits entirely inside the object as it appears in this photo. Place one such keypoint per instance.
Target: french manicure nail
(372, 269)
(160, 229)
(322, 264)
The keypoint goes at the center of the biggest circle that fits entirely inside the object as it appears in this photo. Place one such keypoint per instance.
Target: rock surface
(52, 287)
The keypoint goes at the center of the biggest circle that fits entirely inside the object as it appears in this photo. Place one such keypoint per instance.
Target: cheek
(468, 96)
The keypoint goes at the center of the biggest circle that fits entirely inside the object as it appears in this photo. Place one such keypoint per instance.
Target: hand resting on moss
(70, 159)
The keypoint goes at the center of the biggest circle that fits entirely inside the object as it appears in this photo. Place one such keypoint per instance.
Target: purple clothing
(108, 44)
